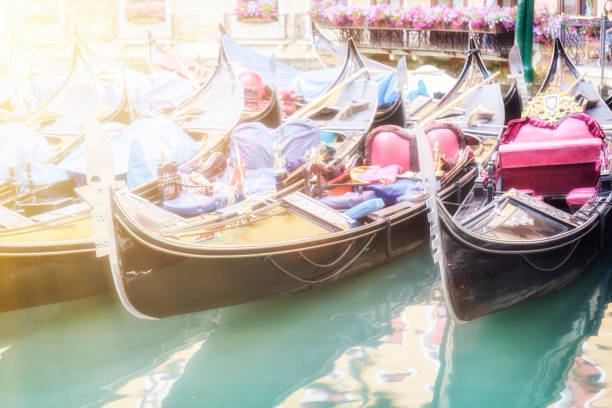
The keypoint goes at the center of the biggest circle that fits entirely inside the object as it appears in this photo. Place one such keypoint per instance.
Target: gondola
(259, 107)
(51, 256)
(80, 88)
(293, 243)
(330, 55)
(540, 212)
(558, 326)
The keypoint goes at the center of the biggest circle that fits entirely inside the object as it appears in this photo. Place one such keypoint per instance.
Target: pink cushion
(550, 153)
(578, 126)
(571, 128)
(448, 145)
(578, 196)
(554, 167)
(387, 149)
(252, 80)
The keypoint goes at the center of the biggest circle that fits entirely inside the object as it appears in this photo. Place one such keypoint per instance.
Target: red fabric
(551, 153)
(550, 158)
(383, 175)
(535, 130)
(578, 196)
(448, 145)
(388, 148)
(252, 80)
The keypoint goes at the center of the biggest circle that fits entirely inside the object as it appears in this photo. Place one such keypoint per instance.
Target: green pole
(524, 35)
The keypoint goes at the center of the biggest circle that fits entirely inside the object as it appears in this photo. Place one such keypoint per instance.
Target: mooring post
(524, 36)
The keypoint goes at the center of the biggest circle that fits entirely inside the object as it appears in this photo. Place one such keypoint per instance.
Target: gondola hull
(42, 276)
(161, 279)
(480, 278)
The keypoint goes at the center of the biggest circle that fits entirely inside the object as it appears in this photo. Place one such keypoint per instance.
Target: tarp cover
(161, 92)
(22, 146)
(121, 139)
(255, 144)
(151, 138)
(254, 61)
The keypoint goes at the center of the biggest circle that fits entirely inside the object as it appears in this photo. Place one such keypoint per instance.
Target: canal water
(382, 339)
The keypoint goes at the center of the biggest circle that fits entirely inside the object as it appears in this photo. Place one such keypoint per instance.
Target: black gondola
(330, 55)
(540, 213)
(51, 257)
(289, 245)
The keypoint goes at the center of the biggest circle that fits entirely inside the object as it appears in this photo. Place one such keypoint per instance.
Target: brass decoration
(316, 155)
(552, 105)
(280, 162)
(438, 160)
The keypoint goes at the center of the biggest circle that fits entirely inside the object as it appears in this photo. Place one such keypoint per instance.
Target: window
(578, 7)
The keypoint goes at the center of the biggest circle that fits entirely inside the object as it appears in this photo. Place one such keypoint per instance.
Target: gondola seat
(550, 159)
(254, 90)
(579, 196)
(389, 144)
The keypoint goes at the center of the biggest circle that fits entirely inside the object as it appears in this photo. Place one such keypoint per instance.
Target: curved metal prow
(558, 60)
(100, 177)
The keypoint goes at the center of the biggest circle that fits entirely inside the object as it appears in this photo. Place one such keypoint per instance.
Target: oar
(573, 85)
(457, 101)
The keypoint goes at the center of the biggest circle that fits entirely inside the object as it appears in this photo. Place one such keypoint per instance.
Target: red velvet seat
(448, 144)
(252, 80)
(389, 144)
(549, 158)
(579, 196)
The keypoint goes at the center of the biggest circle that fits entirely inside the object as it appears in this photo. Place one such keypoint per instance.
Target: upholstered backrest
(389, 144)
(252, 80)
(527, 129)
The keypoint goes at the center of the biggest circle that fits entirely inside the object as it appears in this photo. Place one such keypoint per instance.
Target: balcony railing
(432, 41)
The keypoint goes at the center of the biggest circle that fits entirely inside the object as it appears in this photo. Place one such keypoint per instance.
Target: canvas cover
(150, 139)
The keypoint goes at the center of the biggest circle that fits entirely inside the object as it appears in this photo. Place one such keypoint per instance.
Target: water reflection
(587, 383)
(379, 340)
(398, 371)
(524, 357)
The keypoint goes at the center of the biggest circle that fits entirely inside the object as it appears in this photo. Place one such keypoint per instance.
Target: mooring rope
(328, 277)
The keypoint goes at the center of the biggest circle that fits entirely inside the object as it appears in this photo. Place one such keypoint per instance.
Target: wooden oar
(573, 85)
(457, 101)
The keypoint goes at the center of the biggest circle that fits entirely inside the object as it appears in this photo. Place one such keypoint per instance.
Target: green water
(378, 340)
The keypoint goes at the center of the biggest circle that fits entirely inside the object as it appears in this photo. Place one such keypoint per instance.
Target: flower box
(497, 29)
(256, 20)
(145, 11)
(257, 10)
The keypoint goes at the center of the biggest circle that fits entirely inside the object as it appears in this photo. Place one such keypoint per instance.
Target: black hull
(271, 116)
(161, 279)
(27, 280)
(392, 115)
(480, 278)
(513, 105)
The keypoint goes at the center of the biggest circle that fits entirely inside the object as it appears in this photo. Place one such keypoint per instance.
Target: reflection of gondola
(493, 351)
(289, 245)
(542, 216)
(50, 256)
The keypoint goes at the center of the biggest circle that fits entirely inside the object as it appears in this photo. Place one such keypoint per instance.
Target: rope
(563, 261)
(327, 265)
(328, 277)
